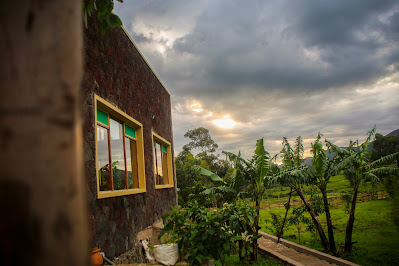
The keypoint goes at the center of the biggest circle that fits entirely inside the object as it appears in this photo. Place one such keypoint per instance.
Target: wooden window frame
(166, 163)
(124, 119)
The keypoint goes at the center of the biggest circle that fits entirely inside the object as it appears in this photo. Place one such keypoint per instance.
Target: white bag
(166, 254)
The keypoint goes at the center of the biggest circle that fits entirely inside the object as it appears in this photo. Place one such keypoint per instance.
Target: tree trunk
(285, 218)
(256, 226)
(299, 236)
(42, 184)
(351, 220)
(331, 239)
(315, 220)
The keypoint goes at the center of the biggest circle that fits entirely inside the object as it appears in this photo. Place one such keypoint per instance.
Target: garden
(342, 204)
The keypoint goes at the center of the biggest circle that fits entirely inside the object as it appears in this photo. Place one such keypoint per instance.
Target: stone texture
(116, 71)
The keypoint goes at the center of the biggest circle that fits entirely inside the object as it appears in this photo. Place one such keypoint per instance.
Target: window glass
(159, 163)
(120, 159)
(117, 155)
(103, 159)
(164, 167)
(131, 164)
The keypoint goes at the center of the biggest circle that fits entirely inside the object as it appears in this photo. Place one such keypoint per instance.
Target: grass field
(377, 238)
(337, 185)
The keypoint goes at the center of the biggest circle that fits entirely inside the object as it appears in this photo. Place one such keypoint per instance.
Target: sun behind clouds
(225, 123)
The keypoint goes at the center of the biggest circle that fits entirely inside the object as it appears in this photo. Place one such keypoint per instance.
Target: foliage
(196, 193)
(384, 145)
(276, 222)
(296, 176)
(355, 162)
(298, 219)
(347, 198)
(190, 172)
(105, 17)
(206, 172)
(258, 171)
(298, 151)
(239, 218)
(200, 138)
(189, 180)
(210, 233)
(392, 186)
(315, 199)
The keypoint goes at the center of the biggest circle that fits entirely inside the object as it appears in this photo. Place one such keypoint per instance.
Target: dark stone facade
(116, 71)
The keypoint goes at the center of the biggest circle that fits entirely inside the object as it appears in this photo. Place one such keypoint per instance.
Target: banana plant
(258, 171)
(355, 162)
(295, 176)
(223, 191)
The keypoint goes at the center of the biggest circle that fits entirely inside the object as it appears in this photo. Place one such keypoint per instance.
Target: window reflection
(117, 155)
(161, 164)
(131, 165)
(103, 159)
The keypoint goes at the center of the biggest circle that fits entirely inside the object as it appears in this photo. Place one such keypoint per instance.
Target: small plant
(298, 220)
(169, 238)
(239, 218)
(276, 222)
(347, 198)
(203, 233)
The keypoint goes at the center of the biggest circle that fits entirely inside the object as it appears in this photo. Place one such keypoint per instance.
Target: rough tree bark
(42, 185)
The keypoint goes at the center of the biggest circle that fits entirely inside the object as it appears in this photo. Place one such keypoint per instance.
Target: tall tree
(200, 139)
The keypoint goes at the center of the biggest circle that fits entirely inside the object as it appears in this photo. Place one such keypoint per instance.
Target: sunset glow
(226, 122)
(196, 107)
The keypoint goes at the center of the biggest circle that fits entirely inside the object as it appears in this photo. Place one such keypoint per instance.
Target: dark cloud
(245, 48)
(279, 68)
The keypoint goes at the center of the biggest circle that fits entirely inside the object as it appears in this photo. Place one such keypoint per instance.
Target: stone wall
(116, 71)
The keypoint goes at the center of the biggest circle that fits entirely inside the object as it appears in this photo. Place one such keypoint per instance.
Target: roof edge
(145, 60)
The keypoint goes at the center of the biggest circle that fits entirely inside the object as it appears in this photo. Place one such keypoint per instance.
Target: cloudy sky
(273, 69)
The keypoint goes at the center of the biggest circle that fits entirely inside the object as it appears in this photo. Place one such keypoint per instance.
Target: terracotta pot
(96, 258)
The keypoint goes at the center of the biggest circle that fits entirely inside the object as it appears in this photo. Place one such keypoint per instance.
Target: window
(119, 152)
(163, 171)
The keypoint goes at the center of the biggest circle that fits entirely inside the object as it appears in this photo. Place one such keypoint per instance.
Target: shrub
(203, 233)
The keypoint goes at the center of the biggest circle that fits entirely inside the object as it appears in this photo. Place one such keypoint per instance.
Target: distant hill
(395, 132)
(308, 160)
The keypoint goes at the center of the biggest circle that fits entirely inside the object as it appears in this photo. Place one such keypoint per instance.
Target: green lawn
(376, 236)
